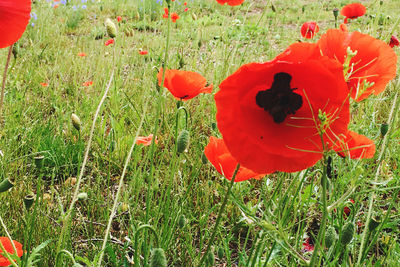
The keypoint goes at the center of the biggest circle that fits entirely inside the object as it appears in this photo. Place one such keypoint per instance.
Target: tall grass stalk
(4, 80)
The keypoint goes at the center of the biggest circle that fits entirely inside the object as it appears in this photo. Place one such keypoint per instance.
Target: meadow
(107, 167)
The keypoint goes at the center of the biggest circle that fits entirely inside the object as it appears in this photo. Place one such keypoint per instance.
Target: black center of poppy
(280, 100)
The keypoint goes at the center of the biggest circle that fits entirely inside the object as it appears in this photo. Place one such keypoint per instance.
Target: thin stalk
(121, 180)
(4, 79)
(372, 195)
(221, 210)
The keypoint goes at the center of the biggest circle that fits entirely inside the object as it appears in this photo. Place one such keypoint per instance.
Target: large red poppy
(5, 241)
(369, 71)
(309, 29)
(14, 16)
(184, 85)
(352, 11)
(219, 156)
(231, 2)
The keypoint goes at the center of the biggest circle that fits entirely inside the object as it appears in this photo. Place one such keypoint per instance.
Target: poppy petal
(5, 241)
(355, 146)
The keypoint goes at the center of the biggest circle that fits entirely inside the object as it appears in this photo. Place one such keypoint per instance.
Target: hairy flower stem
(372, 195)
(221, 210)
(4, 80)
(6, 254)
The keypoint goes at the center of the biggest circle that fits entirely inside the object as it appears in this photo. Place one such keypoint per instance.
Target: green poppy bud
(111, 28)
(181, 221)
(5, 185)
(330, 236)
(384, 129)
(183, 141)
(82, 196)
(76, 122)
(39, 161)
(373, 224)
(210, 258)
(347, 233)
(220, 252)
(335, 12)
(158, 258)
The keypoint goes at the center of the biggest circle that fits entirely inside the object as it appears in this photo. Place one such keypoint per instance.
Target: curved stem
(221, 210)
(145, 226)
(4, 79)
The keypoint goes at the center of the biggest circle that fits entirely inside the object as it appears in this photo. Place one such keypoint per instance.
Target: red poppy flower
(145, 140)
(309, 29)
(108, 42)
(394, 41)
(119, 18)
(271, 114)
(369, 71)
(308, 247)
(5, 241)
(355, 146)
(44, 84)
(184, 85)
(81, 54)
(219, 156)
(353, 11)
(230, 2)
(174, 17)
(166, 14)
(88, 83)
(14, 16)
(186, 9)
(185, 3)
(347, 210)
(143, 52)
(343, 27)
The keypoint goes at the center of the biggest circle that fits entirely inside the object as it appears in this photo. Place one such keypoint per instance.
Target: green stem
(5, 253)
(140, 228)
(4, 79)
(221, 210)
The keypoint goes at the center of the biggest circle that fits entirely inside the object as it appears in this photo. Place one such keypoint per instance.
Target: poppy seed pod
(5, 185)
(158, 258)
(210, 258)
(220, 252)
(335, 12)
(347, 233)
(384, 129)
(28, 200)
(82, 196)
(181, 221)
(373, 224)
(330, 236)
(39, 161)
(183, 141)
(76, 122)
(111, 28)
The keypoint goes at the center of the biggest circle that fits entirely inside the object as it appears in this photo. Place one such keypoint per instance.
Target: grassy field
(174, 198)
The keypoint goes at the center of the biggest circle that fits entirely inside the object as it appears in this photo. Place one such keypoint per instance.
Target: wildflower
(44, 84)
(353, 11)
(184, 85)
(230, 2)
(394, 41)
(369, 64)
(343, 27)
(355, 146)
(15, 15)
(185, 3)
(145, 140)
(81, 54)
(174, 17)
(88, 83)
(308, 247)
(5, 241)
(186, 9)
(166, 14)
(119, 18)
(272, 115)
(143, 52)
(109, 42)
(309, 29)
(219, 156)
(347, 210)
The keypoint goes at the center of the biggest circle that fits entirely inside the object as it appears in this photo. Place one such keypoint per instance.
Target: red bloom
(219, 156)
(88, 83)
(184, 85)
(370, 70)
(5, 241)
(81, 54)
(355, 146)
(343, 27)
(230, 2)
(271, 114)
(309, 29)
(14, 16)
(145, 140)
(185, 4)
(347, 210)
(353, 11)
(108, 42)
(143, 52)
(174, 17)
(119, 18)
(166, 14)
(44, 84)
(308, 246)
(186, 9)
(394, 41)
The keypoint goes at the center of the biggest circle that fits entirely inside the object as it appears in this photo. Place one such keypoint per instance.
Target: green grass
(161, 187)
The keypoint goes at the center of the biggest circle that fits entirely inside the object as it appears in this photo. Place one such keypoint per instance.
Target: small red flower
(347, 210)
(394, 41)
(186, 9)
(353, 11)
(307, 245)
(14, 16)
(343, 27)
(81, 54)
(219, 156)
(166, 13)
(185, 4)
(5, 241)
(230, 2)
(145, 140)
(174, 17)
(109, 42)
(88, 83)
(143, 52)
(56, 6)
(44, 84)
(184, 85)
(119, 18)
(309, 29)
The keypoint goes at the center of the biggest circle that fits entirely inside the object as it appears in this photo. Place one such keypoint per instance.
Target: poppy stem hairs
(4, 79)
(221, 210)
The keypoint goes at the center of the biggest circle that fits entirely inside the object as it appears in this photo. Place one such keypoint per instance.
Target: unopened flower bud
(76, 122)
(111, 28)
(183, 141)
(5, 185)
(158, 258)
(347, 233)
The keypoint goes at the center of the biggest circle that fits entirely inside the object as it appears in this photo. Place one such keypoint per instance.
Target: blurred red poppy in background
(108, 42)
(184, 85)
(309, 29)
(369, 70)
(174, 17)
(230, 2)
(352, 11)
(219, 156)
(5, 241)
(145, 140)
(394, 41)
(14, 16)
